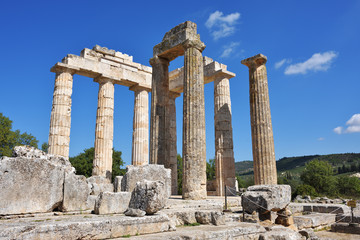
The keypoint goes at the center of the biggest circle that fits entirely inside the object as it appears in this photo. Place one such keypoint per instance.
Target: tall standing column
(172, 148)
(102, 165)
(261, 127)
(159, 104)
(194, 142)
(224, 153)
(60, 122)
(140, 139)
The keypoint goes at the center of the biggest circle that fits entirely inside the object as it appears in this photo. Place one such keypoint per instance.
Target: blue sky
(313, 67)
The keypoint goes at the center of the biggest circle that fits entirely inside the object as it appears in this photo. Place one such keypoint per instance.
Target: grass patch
(126, 236)
(39, 220)
(191, 224)
(87, 217)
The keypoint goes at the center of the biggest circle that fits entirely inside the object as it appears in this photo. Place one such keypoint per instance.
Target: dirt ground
(325, 235)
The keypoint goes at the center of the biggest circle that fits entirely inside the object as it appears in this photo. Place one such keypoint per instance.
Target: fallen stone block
(280, 233)
(110, 202)
(98, 184)
(149, 196)
(30, 185)
(210, 217)
(76, 193)
(314, 220)
(151, 172)
(262, 198)
(319, 207)
(131, 212)
(345, 228)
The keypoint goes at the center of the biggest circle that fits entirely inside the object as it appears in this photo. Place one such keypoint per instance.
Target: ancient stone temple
(108, 67)
(261, 127)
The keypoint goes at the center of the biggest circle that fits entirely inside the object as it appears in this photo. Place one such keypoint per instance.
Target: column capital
(174, 95)
(137, 87)
(63, 67)
(199, 45)
(256, 60)
(101, 79)
(158, 60)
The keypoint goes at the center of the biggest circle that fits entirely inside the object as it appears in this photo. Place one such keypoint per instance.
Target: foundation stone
(110, 202)
(76, 193)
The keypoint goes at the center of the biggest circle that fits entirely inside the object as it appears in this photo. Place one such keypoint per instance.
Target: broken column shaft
(261, 127)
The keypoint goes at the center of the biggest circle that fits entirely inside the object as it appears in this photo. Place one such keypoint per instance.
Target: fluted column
(224, 153)
(159, 104)
(140, 139)
(60, 121)
(171, 161)
(194, 142)
(261, 127)
(102, 164)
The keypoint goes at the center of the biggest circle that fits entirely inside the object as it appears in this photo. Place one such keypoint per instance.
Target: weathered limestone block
(269, 197)
(284, 218)
(30, 185)
(280, 233)
(149, 172)
(321, 208)
(117, 183)
(314, 220)
(149, 196)
(131, 212)
(98, 184)
(261, 126)
(110, 202)
(210, 217)
(76, 193)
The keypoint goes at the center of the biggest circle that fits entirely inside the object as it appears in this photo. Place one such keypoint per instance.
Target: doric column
(224, 153)
(60, 122)
(140, 139)
(171, 162)
(261, 127)
(194, 142)
(102, 165)
(159, 103)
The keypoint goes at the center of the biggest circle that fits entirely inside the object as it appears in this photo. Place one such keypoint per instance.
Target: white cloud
(281, 63)
(338, 130)
(321, 139)
(353, 125)
(221, 25)
(317, 62)
(229, 49)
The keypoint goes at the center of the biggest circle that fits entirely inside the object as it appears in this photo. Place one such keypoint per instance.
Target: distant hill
(297, 164)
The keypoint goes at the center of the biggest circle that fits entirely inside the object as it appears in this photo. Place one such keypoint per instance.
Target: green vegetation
(191, 224)
(9, 138)
(83, 163)
(210, 169)
(315, 175)
(179, 173)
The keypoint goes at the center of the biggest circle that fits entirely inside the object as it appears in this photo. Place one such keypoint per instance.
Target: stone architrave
(171, 161)
(194, 142)
(261, 127)
(159, 105)
(140, 139)
(224, 153)
(60, 122)
(102, 164)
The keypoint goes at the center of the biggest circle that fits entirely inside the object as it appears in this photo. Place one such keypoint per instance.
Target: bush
(305, 190)
(348, 186)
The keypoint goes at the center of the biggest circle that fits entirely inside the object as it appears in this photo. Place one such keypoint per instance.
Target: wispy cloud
(221, 25)
(353, 125)
(229, 49)
(321, 139)
(317, 62)
(279, 64)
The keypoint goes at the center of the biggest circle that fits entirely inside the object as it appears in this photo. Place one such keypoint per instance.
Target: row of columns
(163, 124)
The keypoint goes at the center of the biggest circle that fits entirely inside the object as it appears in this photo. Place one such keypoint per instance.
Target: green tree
(210, 169)
(348, 186)
(319, 174)
(179, 173)
(45, 147)
(9, 138)
(83, 163)
(304, 190)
